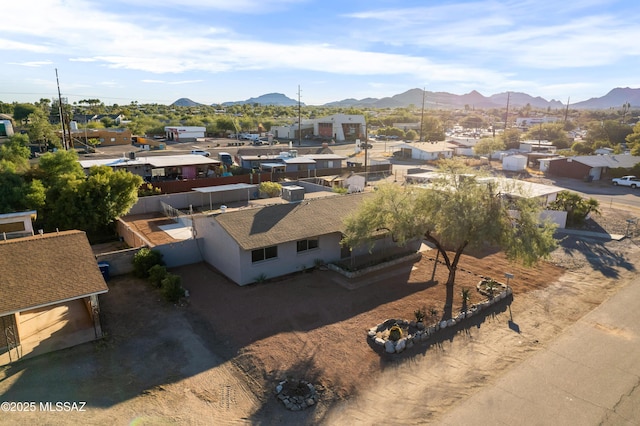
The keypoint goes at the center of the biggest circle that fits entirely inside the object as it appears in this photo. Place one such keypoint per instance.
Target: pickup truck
(631, 181)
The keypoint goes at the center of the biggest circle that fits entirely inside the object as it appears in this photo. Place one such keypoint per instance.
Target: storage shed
(514, 163)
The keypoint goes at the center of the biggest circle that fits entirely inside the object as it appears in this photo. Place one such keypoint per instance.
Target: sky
(214, 51)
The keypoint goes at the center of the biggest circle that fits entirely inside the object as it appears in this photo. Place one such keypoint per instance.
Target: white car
(201, 152)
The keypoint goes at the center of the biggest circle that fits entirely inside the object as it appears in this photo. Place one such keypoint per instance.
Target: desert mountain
(614, 99)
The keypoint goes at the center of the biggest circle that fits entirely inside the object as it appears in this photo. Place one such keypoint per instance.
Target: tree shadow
(597, 253)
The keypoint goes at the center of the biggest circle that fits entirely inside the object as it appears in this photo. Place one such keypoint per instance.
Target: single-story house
(159, 167)
(591, 167)
(48, 295)
(107, 137)
(16, 225)
(251, 244)
(426, 150)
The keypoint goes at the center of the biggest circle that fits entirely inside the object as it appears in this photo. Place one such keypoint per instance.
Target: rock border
(424, 332)
(297, 402)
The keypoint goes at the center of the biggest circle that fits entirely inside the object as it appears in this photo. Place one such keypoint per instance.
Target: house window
(304, 245)
(264, 254)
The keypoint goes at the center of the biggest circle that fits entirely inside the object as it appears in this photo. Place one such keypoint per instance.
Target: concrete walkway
(589, 376)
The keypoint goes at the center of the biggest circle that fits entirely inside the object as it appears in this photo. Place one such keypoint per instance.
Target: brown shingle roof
(271, 225)
(46, 269)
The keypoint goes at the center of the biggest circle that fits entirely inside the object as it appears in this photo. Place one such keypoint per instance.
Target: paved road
(589, 376)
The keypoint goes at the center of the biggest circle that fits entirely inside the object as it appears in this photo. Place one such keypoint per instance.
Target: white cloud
(31, 64)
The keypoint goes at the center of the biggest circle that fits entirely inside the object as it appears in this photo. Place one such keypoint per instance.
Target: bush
(271, 189)
(144, 260)
(157, 273)
(172, 289)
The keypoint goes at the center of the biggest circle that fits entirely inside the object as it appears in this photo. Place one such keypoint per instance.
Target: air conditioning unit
(293, 193)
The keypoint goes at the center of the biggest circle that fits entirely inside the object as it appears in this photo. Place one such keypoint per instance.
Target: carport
(226, 189)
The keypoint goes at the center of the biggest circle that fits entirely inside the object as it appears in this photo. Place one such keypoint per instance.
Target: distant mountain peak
(278, 99)
(185, 102)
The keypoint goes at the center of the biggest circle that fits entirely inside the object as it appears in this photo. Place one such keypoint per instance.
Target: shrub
(157, 273)
(144, 260)
(172, 289)
(272, 189)
(420, 313)
(395, 333)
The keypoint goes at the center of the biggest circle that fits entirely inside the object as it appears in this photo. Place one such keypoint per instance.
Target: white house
(184, 133)
(251, 244)
(426, 150)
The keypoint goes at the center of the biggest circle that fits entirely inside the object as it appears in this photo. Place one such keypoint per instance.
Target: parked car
(200, 152)
(631, 181)
(365, 145)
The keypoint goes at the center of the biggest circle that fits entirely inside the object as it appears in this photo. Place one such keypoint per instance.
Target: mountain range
(614, 99)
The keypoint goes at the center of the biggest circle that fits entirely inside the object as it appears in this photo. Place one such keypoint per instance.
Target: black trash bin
(104, 268)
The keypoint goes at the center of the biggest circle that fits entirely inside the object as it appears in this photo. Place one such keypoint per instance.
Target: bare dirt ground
(217, 358)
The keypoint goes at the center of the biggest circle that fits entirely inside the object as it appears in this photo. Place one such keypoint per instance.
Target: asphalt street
(589, 376)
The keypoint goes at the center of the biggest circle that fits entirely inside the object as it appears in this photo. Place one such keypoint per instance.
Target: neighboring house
(16, 225)
(527, 122)
(184, 133)
(250, 244)
(107, 137)
(160, 167)
(6, 125)
(590, 167)
(48, 294)
(339, 127)
(290, 161)
(537, 146)
(425, 150)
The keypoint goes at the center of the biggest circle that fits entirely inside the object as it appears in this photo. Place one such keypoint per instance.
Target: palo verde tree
(454, 214)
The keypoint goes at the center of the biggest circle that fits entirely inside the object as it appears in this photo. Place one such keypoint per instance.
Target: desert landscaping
(218, 357)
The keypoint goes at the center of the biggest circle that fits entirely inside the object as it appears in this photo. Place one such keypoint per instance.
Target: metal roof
(153, 161)
(223, 188)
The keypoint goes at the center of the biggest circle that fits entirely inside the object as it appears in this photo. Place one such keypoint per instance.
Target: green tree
(511, 138)
(41, 131)
(21, 112)
(58, 165)
(487, 146)
(454, 214)
(472, 122)
(16, 150)
(432, 129)
(552, 132)
(16, 194)
(577, 208)
(104, 196)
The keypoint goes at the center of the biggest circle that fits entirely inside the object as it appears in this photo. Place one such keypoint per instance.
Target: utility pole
(422, 114)
(65, 142)
(566, 111)
(506, 116)
(299, 119)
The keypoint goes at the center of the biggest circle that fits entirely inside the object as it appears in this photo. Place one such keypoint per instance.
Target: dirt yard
(217, 358)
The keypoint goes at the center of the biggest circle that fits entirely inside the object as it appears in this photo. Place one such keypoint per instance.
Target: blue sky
(213, 51)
